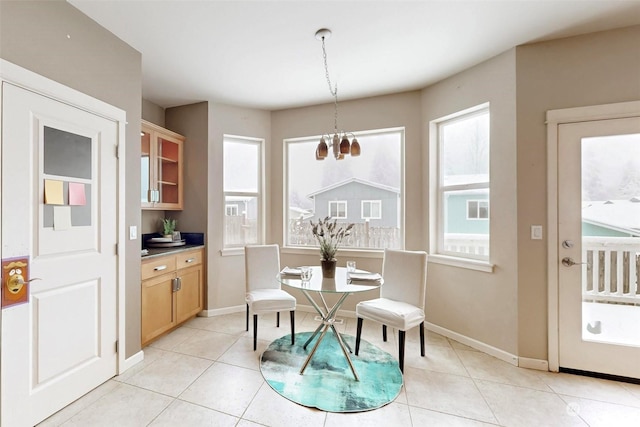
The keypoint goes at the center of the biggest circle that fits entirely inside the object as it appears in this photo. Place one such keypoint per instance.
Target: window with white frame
(231, 210)
(371, 209)
(336, 188)
(477, 209)
(338, 209)
(243, 194)
(462, 183)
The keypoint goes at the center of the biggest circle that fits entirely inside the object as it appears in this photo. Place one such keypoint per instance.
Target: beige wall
(479, 305)
(379, 112)
(598, 68)
(226, 287)
(33, 35)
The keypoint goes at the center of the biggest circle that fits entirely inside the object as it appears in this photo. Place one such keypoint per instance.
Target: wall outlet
(133, 232)
(536, 232)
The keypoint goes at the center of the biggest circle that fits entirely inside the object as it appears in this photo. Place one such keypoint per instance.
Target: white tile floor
(206, 374)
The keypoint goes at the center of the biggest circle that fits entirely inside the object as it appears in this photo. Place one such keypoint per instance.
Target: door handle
(569, 262)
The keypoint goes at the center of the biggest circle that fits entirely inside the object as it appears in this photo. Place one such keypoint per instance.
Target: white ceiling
(263, 54)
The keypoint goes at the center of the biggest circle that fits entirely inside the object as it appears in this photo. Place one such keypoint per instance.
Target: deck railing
(363, 235)
(611, 271)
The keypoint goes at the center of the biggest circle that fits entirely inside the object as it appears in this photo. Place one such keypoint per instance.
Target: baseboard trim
(537, 364)
(478, 345)
(222, 311)
(131, 361)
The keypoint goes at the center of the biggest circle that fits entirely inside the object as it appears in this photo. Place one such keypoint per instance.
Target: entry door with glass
(599, 246)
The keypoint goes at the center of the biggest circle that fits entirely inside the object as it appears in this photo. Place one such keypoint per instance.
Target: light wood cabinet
(161, 168)
(172, 291)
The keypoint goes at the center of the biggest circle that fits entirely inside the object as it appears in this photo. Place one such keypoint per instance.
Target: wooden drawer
(188, 259)
(158, 266)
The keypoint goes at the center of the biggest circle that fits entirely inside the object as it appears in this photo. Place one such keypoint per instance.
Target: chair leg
(292, 315)
(277, 319)
(255, 331)
(384, 333)
(358, 333)
(422, 339)
(247, 317)
(401, 337)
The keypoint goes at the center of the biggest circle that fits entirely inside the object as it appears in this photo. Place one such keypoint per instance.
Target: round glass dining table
(318, 285)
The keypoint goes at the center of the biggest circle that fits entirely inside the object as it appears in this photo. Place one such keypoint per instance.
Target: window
(242, 168)
(477, 209)
(231, 210)
(351, 190)
(371, 209)
(462, 184)
(338, 210)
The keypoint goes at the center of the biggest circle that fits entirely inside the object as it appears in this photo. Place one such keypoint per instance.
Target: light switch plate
(536, 232)
(133, 232)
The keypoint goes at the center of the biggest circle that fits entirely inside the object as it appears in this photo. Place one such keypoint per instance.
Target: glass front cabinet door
(160, 168)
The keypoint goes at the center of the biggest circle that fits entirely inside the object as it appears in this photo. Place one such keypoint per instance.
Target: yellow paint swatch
(53, 192)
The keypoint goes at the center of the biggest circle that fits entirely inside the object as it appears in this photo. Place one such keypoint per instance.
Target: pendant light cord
(334, 92)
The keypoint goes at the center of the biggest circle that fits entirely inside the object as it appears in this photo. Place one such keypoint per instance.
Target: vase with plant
(168, 227)
(329, 235)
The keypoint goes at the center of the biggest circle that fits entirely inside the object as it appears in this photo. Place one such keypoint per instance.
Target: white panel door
(599, 246)
(59, 210)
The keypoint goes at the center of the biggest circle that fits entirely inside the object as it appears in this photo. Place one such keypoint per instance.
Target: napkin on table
(365, 276)
(291, 271)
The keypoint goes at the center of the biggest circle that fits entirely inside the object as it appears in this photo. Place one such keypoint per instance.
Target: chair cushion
(269, 300)
(395, 314)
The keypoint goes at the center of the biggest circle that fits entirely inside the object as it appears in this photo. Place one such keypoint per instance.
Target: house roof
(352, 180)
(621, 215)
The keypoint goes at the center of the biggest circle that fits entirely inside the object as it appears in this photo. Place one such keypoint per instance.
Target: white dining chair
(402, 298)
(262, 266)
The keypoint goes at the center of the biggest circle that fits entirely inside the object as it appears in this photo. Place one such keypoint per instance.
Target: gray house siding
(457, 221)
(353, 193)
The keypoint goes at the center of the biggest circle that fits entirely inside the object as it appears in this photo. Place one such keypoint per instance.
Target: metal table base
(328, 319)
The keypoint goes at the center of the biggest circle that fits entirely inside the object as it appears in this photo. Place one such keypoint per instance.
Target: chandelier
(339, 142)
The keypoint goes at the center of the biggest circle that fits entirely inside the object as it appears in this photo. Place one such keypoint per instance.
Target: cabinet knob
(160, 268)
(190, 260)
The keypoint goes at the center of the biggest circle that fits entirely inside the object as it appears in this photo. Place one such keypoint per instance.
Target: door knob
(569, 262)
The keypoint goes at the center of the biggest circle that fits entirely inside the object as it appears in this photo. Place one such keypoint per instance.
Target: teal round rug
(327, 383)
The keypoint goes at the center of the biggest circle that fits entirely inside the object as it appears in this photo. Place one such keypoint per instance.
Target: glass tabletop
(339, 284)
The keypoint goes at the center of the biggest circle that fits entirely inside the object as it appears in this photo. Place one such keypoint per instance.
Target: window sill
(467, 263)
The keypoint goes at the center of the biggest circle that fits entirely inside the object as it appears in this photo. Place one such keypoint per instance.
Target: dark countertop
(156, 252)
(192, 240)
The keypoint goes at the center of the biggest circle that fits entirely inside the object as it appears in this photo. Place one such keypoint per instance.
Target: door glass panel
(168, 155)
(145, 168)
(611, 239)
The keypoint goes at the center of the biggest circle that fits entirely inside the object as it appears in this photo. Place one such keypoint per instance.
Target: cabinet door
(189, 297)
(161, 168)
(169, 172)
(147, 194)
(158, 310)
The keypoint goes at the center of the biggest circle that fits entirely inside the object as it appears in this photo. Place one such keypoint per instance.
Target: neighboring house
(356, 201)
(296, 213)
(613, 218)
(468, 212)
(241, 206)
